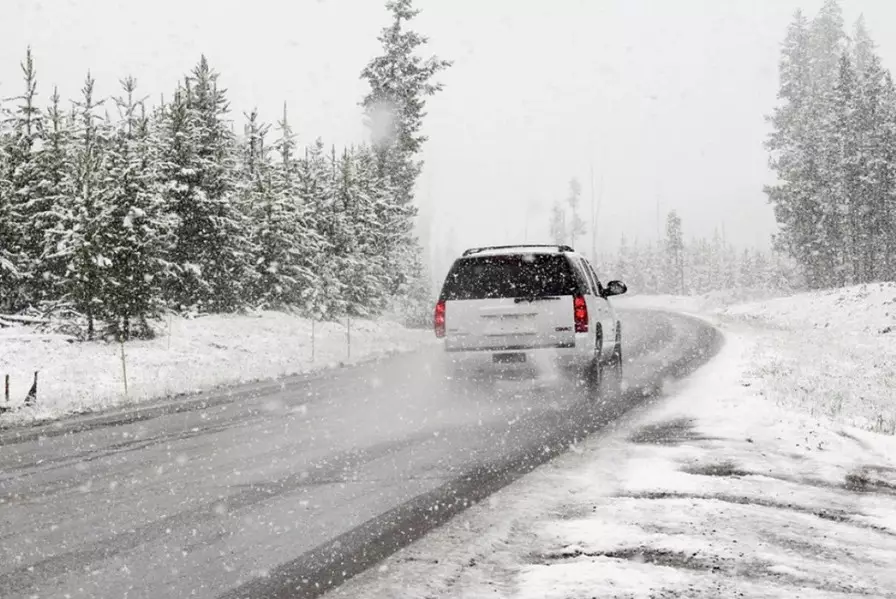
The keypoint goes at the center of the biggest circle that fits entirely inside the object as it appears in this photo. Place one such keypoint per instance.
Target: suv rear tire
(615, 366)
(593, 376)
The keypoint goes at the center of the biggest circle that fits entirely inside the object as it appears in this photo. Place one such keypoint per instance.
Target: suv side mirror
(615, 288)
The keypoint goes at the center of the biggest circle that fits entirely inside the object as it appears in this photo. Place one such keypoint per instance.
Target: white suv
(512, 307)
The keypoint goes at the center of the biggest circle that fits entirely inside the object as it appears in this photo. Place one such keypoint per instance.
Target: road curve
(287, 489)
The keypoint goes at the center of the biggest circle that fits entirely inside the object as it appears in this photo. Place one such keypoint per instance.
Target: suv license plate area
(514, 358)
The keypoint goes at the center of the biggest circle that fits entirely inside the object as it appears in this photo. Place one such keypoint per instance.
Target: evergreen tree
(79, 238)
(370, 212)
(831, 84)
(863, 46)
(842, 202)
(674, 254)
(139, 233)
(576, 225)
(213, 239)
(257, 196)
(826, 39)
(712, 265)
(315, 186)
(10, 277)
(748, 274)
(653, 260)
(283, 237)
(818, 149)
(730, 268)
(23, 238)
(874, 119)
(623, 266)
(885, 197)
(56, 194)
(119, 217)
(400, 81)
(635, 275)
(699, 255)
(558, 224)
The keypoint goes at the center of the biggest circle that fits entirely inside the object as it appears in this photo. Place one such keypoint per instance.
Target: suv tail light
(580, 313)
(439, 319)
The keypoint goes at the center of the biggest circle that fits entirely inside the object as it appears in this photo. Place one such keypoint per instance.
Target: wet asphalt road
(286, 489)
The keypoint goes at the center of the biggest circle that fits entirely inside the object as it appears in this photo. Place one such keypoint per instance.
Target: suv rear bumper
(534, 359)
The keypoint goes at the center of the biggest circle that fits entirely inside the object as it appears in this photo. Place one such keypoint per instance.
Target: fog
(662, 101)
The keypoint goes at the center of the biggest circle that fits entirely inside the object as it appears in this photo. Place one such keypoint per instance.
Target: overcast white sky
(665, 98)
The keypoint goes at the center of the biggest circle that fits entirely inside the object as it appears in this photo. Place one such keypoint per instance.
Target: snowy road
(283, 491)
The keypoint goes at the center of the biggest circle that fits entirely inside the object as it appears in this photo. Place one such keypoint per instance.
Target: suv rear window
(516, 275)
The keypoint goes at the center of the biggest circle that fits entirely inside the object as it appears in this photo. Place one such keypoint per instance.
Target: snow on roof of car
(517, 249)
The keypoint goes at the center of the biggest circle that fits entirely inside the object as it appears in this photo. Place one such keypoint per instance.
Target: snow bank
(193, 355)
(716, 491)
(862, 308)
(831, 353)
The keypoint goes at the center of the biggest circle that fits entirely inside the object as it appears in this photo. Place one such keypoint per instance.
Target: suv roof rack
(559, 247)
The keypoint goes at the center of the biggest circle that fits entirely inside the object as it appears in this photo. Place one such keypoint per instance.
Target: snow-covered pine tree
(803, 149)
(652, 267)
(368, 212)
(177, 176)
(886, 197)
(272, 284)
(863, 47)
(341, 231)
(763, 270)
(56, 193)
(139, 233)
(674, 248)
(296, 220)
(400, 82)
(315, 187)
(213, 240)
(875, 116)
(826, 44)
(557, 224)
(748, 279)
(635, 277)
(623, 265)
(268, 192)
(10, 278)
(825, 209)
(791, 144)
(576, 226)
(843, 200)
(85, 212)
(730, 266)
(700, 266)
(25, 205)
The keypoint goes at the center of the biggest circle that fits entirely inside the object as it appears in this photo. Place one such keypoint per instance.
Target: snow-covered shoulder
(829, 353)
(188, 355)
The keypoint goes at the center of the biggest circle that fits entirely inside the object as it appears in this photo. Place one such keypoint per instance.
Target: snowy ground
(198, 354)
(829, 353)
(729, 487)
